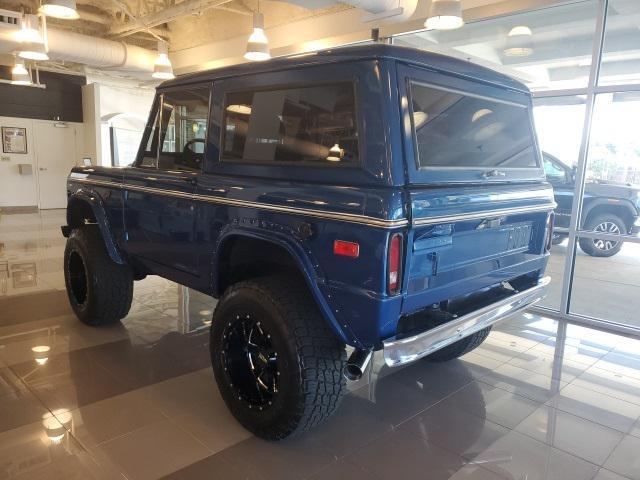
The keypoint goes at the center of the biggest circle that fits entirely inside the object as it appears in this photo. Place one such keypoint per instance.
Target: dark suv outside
(375, 196)
(609, 207)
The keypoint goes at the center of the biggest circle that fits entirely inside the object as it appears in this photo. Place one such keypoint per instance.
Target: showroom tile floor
(538, 400)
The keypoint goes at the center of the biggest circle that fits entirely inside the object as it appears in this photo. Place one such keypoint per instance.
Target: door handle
(191, 181)
(493, 173)
(42, 169)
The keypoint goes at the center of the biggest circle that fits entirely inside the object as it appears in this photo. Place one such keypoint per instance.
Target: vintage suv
(373, 196)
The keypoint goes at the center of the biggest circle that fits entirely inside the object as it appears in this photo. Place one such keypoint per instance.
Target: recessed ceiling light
(65, 9)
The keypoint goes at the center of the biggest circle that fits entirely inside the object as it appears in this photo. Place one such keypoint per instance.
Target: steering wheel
(188, 146)
(191, 158)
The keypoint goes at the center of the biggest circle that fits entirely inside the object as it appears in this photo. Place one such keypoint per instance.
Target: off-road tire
(459, 348)
(100, 291)
(309, 357)
(587, 245)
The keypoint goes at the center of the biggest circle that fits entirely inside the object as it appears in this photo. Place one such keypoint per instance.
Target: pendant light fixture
(65, 9)
(258, 44)
(32, 39)
(19, 74)
(162, 68)
(519, 42)
(444, 15)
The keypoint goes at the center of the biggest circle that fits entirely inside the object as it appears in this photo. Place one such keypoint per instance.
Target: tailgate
(477, 196)
(466, 239)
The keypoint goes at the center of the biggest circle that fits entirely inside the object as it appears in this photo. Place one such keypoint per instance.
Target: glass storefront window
(607, 273)
(621, 55)
(608, 288)
(612, 189)
(559, 122)
(546, 49)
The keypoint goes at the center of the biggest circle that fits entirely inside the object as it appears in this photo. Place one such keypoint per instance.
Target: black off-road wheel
(277, 363)
(100, 291)
(609, 224)
(459, 348)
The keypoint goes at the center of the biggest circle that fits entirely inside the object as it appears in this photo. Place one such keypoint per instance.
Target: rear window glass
(306, 125)
(455, 130)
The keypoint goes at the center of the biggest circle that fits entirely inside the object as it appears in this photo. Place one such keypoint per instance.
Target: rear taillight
(550, 224)
(394, 268)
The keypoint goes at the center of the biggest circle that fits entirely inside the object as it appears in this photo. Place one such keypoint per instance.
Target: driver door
(159, 205)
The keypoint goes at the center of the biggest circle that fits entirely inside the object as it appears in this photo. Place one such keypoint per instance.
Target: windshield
(456, 130)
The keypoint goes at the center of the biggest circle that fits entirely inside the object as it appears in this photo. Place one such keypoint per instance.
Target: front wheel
(100, 291)
(604, 223)
(277, 363)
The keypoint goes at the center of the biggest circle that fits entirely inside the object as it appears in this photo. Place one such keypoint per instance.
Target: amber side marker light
(346, 249)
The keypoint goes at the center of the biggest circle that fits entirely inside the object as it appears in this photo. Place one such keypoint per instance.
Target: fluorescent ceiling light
(65, 9)
(519, 42)
(258, 44)
(444, 15)
(163, 69)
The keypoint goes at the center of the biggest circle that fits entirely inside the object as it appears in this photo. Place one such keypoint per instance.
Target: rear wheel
(277, 364)
(100, 291)
(609, 224)
(460, 347)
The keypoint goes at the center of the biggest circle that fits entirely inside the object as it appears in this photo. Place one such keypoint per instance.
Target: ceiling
(143, 22)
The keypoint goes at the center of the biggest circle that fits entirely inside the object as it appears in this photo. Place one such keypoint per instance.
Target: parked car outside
(609, 207)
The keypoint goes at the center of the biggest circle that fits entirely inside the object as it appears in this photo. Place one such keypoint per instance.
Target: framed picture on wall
(14, 140)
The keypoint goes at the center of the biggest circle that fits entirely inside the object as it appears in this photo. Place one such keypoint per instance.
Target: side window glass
(554, 173)
(150, 153)
(184, 127)
(307, 125)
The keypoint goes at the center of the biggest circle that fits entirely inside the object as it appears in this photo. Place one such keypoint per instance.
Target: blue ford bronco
(375, 196)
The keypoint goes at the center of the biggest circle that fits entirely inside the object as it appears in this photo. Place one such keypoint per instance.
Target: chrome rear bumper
(408, 349)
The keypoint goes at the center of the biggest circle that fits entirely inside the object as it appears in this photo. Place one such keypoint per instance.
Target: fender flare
(598, 202)
(302, 261)
(99, 212)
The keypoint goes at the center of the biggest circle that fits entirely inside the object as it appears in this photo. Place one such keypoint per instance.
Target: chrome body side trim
(503, 212)
(342, 217)
(409, 349)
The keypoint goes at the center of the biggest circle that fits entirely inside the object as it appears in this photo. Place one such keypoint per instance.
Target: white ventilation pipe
(86, 50)
(98, 52)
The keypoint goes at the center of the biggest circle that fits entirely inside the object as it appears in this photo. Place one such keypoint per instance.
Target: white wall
(15, 189)
(110, 97)
(91, 118)
(18, 190)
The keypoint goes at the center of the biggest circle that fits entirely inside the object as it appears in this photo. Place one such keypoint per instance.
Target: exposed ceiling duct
(95, 52)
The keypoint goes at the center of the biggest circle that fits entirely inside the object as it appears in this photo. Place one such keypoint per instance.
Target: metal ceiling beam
(138, 24)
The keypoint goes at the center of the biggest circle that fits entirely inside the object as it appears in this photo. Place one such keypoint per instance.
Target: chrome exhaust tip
(357, 364)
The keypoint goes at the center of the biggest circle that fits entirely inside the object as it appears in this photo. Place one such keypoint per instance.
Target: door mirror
(572, 174)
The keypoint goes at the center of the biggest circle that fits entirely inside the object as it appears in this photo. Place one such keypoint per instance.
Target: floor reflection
(538, 399)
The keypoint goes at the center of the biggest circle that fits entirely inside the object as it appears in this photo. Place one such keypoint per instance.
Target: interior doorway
(56, 147)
